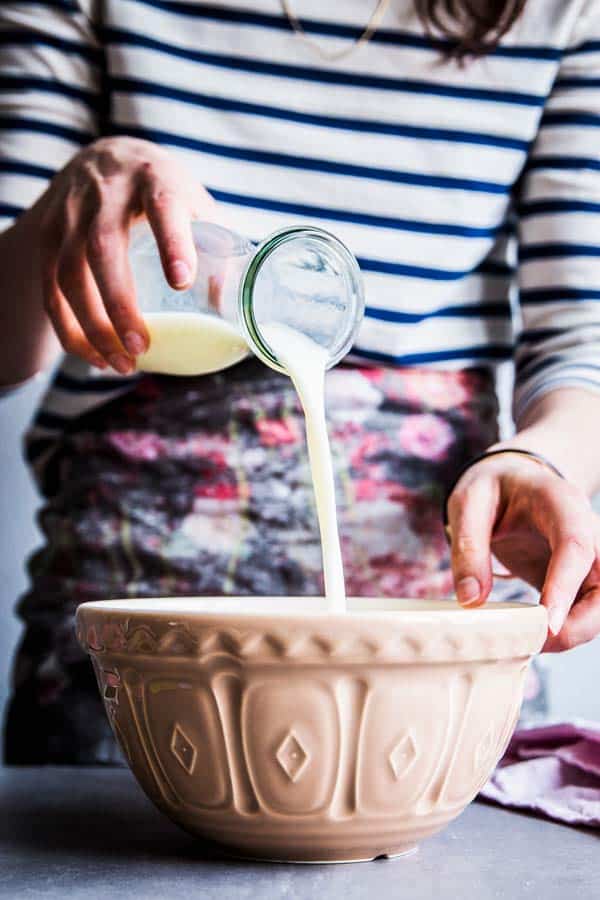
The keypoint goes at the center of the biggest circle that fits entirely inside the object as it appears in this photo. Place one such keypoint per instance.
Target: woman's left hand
(542, 529)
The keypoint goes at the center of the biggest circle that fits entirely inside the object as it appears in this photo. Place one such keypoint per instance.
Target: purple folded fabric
(553, 770)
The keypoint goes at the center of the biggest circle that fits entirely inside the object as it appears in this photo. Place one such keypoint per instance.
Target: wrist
(27, 342)
(543, 442)
(563, 425)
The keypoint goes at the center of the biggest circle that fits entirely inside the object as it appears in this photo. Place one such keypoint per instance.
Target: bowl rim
(490, 632)
(302, 608)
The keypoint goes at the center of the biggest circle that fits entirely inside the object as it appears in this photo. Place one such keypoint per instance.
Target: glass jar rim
(264, 250)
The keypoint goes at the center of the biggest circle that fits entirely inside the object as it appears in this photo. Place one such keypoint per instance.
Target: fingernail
(468, 590)
(134, 343)
(98, 362)
(120, 363)
(556, 619)
(179, 273)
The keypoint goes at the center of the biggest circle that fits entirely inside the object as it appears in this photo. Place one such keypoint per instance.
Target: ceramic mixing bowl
(284, 732)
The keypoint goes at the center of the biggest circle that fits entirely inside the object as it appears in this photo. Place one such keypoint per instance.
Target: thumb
(471, 515)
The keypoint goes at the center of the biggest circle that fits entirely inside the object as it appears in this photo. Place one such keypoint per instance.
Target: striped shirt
(469, 194)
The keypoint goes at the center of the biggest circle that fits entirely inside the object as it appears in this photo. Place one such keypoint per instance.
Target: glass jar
(302, 277)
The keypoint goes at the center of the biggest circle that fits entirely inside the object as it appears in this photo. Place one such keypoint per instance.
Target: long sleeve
(50, 96)
(559, 230)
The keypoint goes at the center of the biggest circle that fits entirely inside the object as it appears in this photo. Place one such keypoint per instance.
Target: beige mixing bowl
(287, 733)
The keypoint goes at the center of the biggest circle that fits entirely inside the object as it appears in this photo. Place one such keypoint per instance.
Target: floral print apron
(201, 486)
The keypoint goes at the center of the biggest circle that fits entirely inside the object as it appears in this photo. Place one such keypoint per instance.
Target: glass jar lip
(248, 321)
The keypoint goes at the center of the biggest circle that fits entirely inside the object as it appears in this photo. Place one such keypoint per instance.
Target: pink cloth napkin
(553, 770)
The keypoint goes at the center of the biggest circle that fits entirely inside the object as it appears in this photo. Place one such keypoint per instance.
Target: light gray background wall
(574, 676)
(18, 533)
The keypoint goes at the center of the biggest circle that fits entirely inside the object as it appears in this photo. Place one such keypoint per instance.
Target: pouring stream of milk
(305, 362)
(193, 343)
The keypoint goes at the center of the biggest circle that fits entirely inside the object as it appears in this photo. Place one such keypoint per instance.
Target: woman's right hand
(85, 216)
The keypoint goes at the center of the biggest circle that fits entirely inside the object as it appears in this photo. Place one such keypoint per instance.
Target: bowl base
(333, 860)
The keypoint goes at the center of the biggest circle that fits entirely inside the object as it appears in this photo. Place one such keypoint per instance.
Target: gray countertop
(92, 833)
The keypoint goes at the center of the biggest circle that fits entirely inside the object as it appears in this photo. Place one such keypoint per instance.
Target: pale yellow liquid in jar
(190, 343)
(306, 363)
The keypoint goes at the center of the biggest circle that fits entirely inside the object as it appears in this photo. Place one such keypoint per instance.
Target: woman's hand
(541, 529)
(85, 216)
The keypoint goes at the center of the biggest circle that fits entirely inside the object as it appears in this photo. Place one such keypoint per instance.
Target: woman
(437, 139)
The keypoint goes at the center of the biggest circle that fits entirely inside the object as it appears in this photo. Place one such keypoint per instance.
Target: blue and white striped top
(470, 195)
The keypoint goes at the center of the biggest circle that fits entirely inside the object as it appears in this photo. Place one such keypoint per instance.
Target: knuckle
(568, 496)
(466, 544)
(572, 492)
(88, 182)
(566, 639)
(100, 241)
(150, 172)
(473, 489)
(155, 162)
(105, 157)
(120, 312)
(118, 308)
(173, 245)
(580, 544)
(99, 337)
(161, 197)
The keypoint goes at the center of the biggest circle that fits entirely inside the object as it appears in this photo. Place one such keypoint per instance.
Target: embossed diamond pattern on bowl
(403, 756)
(183, 750)
(292, 757)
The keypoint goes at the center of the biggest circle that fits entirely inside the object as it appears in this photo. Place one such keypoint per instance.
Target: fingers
(88, 284)
(569, 564)
(471, 515)
(582, 624)
(78, 286)
(107, 254)
(543, 518)
(169, 217)
(64, 322)
(568, 528)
